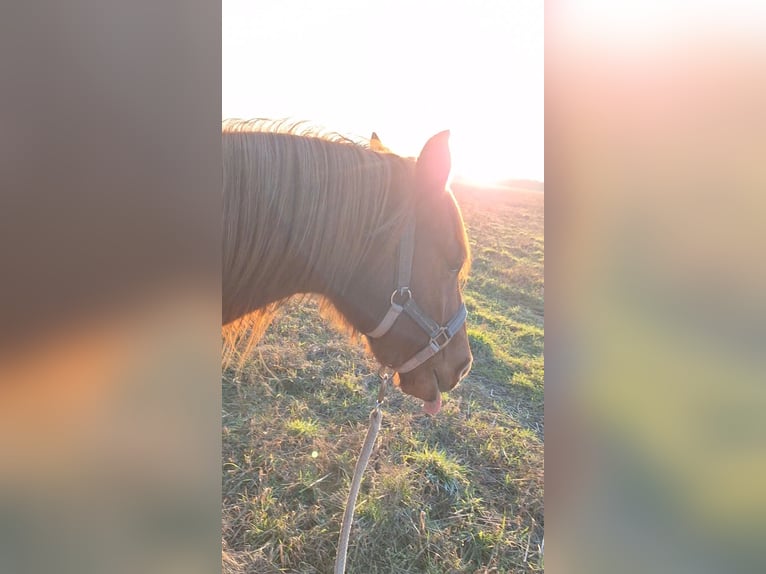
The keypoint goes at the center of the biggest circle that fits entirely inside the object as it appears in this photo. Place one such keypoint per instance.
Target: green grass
(307, 428)
(460, 492)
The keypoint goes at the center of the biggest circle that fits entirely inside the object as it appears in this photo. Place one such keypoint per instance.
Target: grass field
(459, 492)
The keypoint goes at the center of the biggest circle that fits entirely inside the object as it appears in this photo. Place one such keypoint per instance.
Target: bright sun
(486, 87)
(478, 170)
(488, 162)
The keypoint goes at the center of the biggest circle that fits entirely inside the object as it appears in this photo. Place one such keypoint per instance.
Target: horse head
(417, 329)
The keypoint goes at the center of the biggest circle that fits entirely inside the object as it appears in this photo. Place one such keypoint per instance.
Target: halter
(402, 300)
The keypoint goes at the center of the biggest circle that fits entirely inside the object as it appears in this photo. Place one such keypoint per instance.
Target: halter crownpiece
(402, 301)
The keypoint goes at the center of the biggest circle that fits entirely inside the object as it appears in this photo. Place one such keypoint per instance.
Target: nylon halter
(402, 301)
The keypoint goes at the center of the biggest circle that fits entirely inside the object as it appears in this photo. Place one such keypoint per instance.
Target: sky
(404, 69)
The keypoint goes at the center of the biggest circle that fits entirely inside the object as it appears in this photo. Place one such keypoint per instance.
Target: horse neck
(352, 282)
(319, 234)
(375, 274)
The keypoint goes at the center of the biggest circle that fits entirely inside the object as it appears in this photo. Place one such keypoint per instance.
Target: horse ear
(377, 145)
(435, 162)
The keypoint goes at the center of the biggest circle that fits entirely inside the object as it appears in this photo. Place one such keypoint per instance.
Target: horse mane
(332, 195)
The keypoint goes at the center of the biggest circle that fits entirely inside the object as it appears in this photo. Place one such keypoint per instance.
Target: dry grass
(460, 492)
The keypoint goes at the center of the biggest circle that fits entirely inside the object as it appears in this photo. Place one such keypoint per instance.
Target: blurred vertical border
(655, 312)
(110, 286)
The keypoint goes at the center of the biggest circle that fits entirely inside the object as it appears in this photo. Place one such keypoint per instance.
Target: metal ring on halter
(402, 291)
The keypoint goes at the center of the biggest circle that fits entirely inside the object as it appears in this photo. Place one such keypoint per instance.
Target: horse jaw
(423, 387)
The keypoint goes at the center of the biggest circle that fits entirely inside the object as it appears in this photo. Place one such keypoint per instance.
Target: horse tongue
(433, 407)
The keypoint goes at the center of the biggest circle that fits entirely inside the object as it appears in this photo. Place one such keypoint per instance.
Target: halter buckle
(444, 335)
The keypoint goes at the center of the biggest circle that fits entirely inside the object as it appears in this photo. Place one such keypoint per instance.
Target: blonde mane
(298, 193)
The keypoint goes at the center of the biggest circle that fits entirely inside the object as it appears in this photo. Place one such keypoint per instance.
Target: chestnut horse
(377, 237)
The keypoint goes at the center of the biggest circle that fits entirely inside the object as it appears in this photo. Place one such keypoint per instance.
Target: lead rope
(376, 416)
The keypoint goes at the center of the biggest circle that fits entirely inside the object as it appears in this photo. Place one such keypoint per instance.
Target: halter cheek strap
(402, 301)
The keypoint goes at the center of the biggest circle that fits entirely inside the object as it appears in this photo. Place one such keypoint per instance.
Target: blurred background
(655, 312)
(110, 287)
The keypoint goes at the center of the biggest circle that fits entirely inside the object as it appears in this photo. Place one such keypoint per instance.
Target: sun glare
(480, 75)
(479, 168)
(489, 161)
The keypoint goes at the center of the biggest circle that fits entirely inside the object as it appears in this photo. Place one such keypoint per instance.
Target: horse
(379, 239)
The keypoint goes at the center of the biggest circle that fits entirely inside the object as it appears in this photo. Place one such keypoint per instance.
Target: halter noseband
(402, 300)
